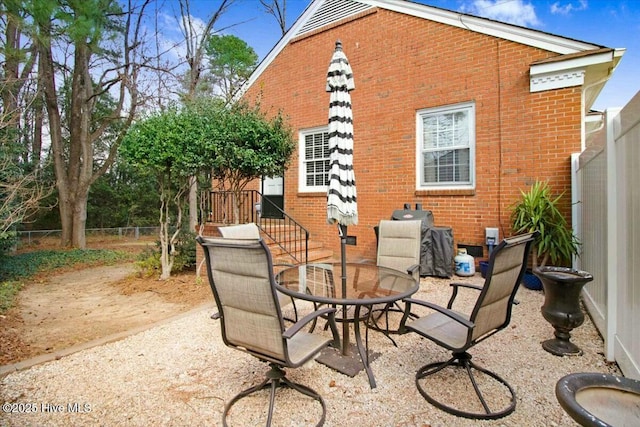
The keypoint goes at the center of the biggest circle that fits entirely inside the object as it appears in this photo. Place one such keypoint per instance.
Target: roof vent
(332, 11)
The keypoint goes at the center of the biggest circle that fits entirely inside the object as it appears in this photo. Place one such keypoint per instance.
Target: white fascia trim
(517, 34)
(561, 74)
(514, 33)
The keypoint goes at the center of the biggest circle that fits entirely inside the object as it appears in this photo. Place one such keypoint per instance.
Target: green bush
(148, 262)
(7, 241)
(8, 292)
(186, 251)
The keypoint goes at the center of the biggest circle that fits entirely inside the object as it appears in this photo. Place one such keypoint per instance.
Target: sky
(613, 24)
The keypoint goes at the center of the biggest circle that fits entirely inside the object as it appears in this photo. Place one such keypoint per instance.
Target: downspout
(583, 110)
(616, 53)
(600, 127)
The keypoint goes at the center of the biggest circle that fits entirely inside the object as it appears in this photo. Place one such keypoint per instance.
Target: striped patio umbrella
(342, 206)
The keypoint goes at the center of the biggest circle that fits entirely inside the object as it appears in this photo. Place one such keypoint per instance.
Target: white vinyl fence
(607, 220)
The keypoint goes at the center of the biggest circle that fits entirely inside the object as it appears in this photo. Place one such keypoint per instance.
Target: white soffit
(564, 73)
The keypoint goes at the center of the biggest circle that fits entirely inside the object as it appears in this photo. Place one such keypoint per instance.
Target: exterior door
(273, 196)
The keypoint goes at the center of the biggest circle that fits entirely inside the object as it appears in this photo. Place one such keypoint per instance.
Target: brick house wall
(403, 64)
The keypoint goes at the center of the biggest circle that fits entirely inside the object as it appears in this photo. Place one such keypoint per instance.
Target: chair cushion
(399, 244)
(442, 330)
(303, 346)
(241, 231)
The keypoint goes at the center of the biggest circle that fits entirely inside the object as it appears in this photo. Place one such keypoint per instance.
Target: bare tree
(277, 8)
(195, 40)
(20, 190)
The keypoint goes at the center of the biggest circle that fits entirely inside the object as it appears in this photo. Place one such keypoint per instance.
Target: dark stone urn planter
(561, 308)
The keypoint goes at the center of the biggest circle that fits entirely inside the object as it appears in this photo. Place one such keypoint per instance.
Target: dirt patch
(54, 313)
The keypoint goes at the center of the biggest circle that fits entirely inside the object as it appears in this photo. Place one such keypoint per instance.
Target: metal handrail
(285, 232)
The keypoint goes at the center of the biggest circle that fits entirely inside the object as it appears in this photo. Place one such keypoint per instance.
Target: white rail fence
(607, 220)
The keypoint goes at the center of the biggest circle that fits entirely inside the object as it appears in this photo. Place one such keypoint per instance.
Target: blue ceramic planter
(531, 281)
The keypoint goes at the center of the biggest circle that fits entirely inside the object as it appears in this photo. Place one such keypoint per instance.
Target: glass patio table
(360, 285)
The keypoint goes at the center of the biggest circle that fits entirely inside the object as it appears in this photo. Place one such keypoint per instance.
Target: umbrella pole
(342, 231)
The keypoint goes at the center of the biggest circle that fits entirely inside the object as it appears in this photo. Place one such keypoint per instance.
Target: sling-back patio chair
(398, 249)
(458, 332)
(241, 277)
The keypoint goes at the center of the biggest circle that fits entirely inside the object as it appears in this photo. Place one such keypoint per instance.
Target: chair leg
(295, 312)
(464, 360)
(275, 378)
(386, 330)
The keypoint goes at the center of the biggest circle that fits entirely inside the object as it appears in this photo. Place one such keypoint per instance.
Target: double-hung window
(314, 160)
(446, 147)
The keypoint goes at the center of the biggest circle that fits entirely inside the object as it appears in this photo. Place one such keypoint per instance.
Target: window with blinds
(446, 147)
(314, 160)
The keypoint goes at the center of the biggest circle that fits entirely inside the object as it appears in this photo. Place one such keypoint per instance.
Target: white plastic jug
(465, 265)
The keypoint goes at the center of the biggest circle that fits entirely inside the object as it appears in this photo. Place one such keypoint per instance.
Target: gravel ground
(180, 373)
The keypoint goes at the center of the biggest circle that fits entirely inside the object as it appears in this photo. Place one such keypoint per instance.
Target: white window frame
(420, 115)
(302, 164)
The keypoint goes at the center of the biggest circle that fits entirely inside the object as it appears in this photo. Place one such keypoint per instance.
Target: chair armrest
(414, 271)
(413, 268)
(296, 327)
(458, 285)
(466, 285)
(447, 312)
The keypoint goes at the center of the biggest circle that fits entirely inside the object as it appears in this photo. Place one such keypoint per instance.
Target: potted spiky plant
(538, 210)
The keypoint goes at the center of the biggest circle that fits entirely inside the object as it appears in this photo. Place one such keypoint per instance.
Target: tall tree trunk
(47, 79)
(166, 259)
(36, 143)
(74, 162)
(16, 71)
(80, 164)
(38, 118)
(193, 204)
(11, 63)
(79, 222)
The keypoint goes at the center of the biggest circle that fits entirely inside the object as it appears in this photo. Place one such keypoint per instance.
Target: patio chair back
(507, 265)
(241, 278)
(241, 231)
(399, 245)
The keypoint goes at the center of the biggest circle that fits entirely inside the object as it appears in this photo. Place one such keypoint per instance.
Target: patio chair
(251, 231)
(458, 332)
(241, 277)
(398, 249)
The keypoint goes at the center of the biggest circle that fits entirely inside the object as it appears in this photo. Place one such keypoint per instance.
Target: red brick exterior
(403, 64)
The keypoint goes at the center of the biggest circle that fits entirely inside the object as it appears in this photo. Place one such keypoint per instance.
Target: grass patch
(14, 268)
(8, 292)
